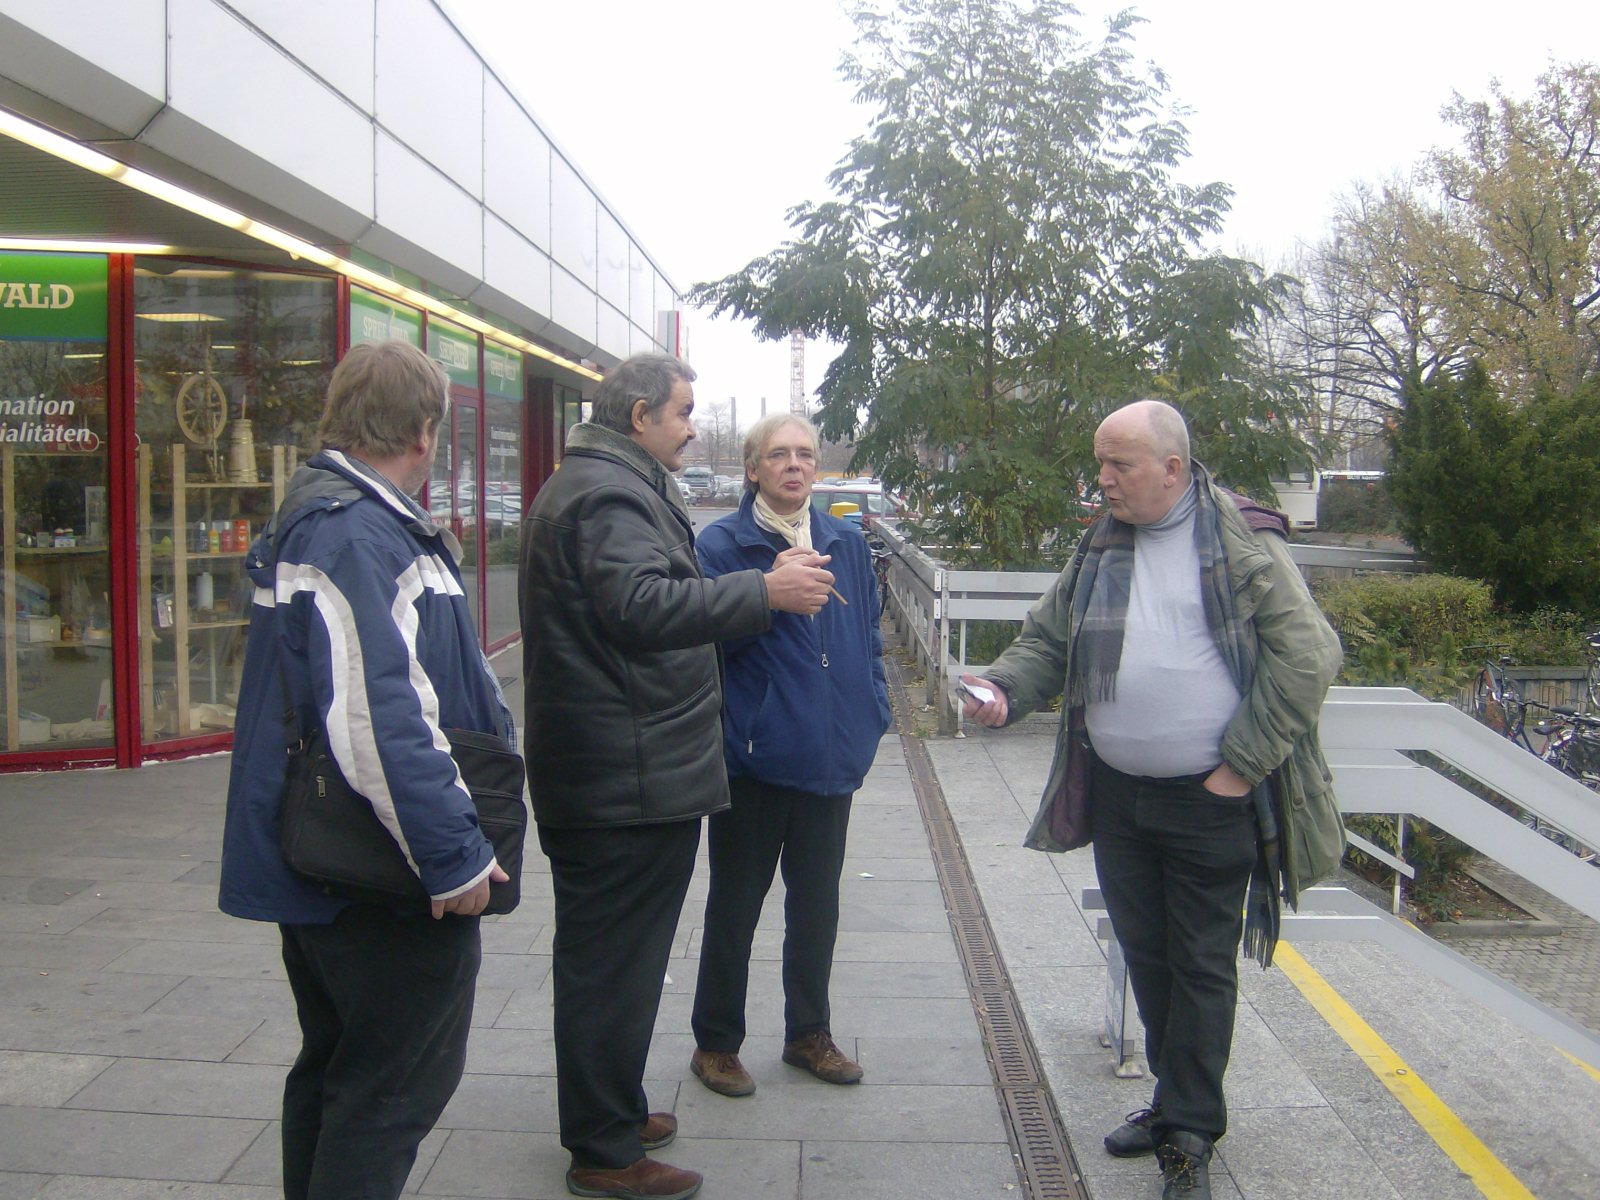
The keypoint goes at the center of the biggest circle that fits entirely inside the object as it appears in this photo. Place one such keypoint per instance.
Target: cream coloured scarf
(794, 528)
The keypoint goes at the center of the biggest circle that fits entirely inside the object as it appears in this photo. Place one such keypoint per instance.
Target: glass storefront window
(503, 504)
(233, 366)
(55, 636)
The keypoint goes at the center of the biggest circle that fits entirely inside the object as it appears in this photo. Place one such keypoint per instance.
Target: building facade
(202, 206)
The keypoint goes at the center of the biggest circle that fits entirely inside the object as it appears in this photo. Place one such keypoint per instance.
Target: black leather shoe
(1185, 1171)
(1136, 1136)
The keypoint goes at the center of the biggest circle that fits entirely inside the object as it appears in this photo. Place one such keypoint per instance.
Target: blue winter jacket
(806, 702)
(359, 609)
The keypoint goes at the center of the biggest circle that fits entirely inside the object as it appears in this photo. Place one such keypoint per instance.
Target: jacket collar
(747, 533)
(415, 517)
(602, 442)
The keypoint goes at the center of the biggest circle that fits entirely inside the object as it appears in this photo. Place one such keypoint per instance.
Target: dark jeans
(618, 893)
(1174, 862)
(765, 826)
(385, 1003)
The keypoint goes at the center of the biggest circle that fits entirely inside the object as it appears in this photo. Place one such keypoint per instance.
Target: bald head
(1143, 450)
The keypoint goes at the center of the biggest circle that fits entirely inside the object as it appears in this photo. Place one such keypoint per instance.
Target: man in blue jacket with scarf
(806, 706)
(359, 613)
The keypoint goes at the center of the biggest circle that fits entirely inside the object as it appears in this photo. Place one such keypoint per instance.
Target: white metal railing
(1365, 732)
(932, 604)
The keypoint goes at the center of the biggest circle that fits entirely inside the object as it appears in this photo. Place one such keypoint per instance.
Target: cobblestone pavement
(1561, 970)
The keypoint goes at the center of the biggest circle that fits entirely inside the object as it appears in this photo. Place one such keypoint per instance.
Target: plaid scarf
(1100, 613)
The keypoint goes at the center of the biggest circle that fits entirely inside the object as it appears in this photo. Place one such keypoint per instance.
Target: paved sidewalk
(144, 1036)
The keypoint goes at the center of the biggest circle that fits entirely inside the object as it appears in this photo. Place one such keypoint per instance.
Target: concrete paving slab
(53, 951)
(887, 1170)
(81, 1187)
(46, 1080)
(201, 995)
(135, 1035)
(254, 959)
(916, 1114)
(261, 1165)
(507, 1166)
(953, 1059)
(185, 1088)
(126, 1145)
(107, 991)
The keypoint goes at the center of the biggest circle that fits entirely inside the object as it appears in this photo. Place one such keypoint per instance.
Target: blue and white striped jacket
(359, 609)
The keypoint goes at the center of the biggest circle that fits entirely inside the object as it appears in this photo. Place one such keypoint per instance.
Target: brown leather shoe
(816, 1053)
(658, 1130)
(646, 1179)
(722, 1072)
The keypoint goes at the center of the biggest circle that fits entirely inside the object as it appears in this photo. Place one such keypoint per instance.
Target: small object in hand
(838, 597)
(976, 692)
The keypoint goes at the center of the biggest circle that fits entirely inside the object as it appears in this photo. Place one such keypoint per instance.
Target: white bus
(1297, 498)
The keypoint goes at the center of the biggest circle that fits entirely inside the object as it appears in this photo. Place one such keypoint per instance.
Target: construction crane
(797, 372)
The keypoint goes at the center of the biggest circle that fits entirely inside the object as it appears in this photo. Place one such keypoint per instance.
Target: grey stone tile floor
(144, 1036)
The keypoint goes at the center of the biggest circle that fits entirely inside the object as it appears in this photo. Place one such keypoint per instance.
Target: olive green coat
(1274, 730)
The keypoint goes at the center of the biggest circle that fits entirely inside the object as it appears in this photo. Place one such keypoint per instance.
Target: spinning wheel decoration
(202, 409)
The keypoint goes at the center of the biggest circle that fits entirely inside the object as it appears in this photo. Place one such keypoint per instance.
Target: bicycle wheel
(1592, 680)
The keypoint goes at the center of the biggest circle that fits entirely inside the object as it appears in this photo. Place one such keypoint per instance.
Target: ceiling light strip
(101, 164)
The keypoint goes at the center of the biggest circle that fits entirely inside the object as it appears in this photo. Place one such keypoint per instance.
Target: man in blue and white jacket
(360, 613)
(806, 707)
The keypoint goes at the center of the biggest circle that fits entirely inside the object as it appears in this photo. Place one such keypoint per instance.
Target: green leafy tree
(1503, 492)
(1488, 251)
(1007, 257)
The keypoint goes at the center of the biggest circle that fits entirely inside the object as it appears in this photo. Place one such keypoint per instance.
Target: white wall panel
(226, 78)
(422, 207)
(430, 89)
(612, 260)
(127, 38)
(641, 287)
(516, 171)
(572, 306)
(334, 41)
(611, 331)
(515, 267)
(572, 222)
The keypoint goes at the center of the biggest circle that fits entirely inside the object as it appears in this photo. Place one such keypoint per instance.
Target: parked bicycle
(1497, 703)
(1592, 675)
(1570, 743)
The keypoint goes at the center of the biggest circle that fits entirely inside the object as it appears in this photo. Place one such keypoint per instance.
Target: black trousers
(618, 893)
(768, 825)
(385, 1003)
(1174, 862)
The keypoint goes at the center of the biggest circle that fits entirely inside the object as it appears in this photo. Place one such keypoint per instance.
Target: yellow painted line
(1592, 1073)
(1487, 1172)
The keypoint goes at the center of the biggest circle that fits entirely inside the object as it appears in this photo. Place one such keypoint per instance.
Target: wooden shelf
(175, 565)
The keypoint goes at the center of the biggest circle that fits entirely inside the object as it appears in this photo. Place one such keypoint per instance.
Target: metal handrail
(1366, 733)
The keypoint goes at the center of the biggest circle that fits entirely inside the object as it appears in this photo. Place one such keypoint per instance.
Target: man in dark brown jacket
(624, 745)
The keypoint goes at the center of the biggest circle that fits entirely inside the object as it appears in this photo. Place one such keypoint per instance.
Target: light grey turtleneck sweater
(1175, 696)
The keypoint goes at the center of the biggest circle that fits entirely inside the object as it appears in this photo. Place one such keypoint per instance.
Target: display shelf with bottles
(56, 611)
(194, 598)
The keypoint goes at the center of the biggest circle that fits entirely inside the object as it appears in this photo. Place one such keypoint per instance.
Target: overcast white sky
(703, 121)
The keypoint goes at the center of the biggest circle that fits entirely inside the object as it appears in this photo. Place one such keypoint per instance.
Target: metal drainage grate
(1038, 1141)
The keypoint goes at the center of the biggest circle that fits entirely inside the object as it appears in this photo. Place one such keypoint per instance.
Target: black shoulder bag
(331, 835)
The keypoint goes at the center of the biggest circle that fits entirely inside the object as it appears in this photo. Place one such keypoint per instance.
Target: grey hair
(647, 377)
(761, 433)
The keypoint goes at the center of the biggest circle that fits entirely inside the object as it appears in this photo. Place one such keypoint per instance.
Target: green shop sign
(504, 370)
(375, 318)
(52, 297)
(456, 349)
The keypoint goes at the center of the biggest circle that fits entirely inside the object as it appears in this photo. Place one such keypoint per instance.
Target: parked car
(870, 499)
(729, 489)
(701, 482)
